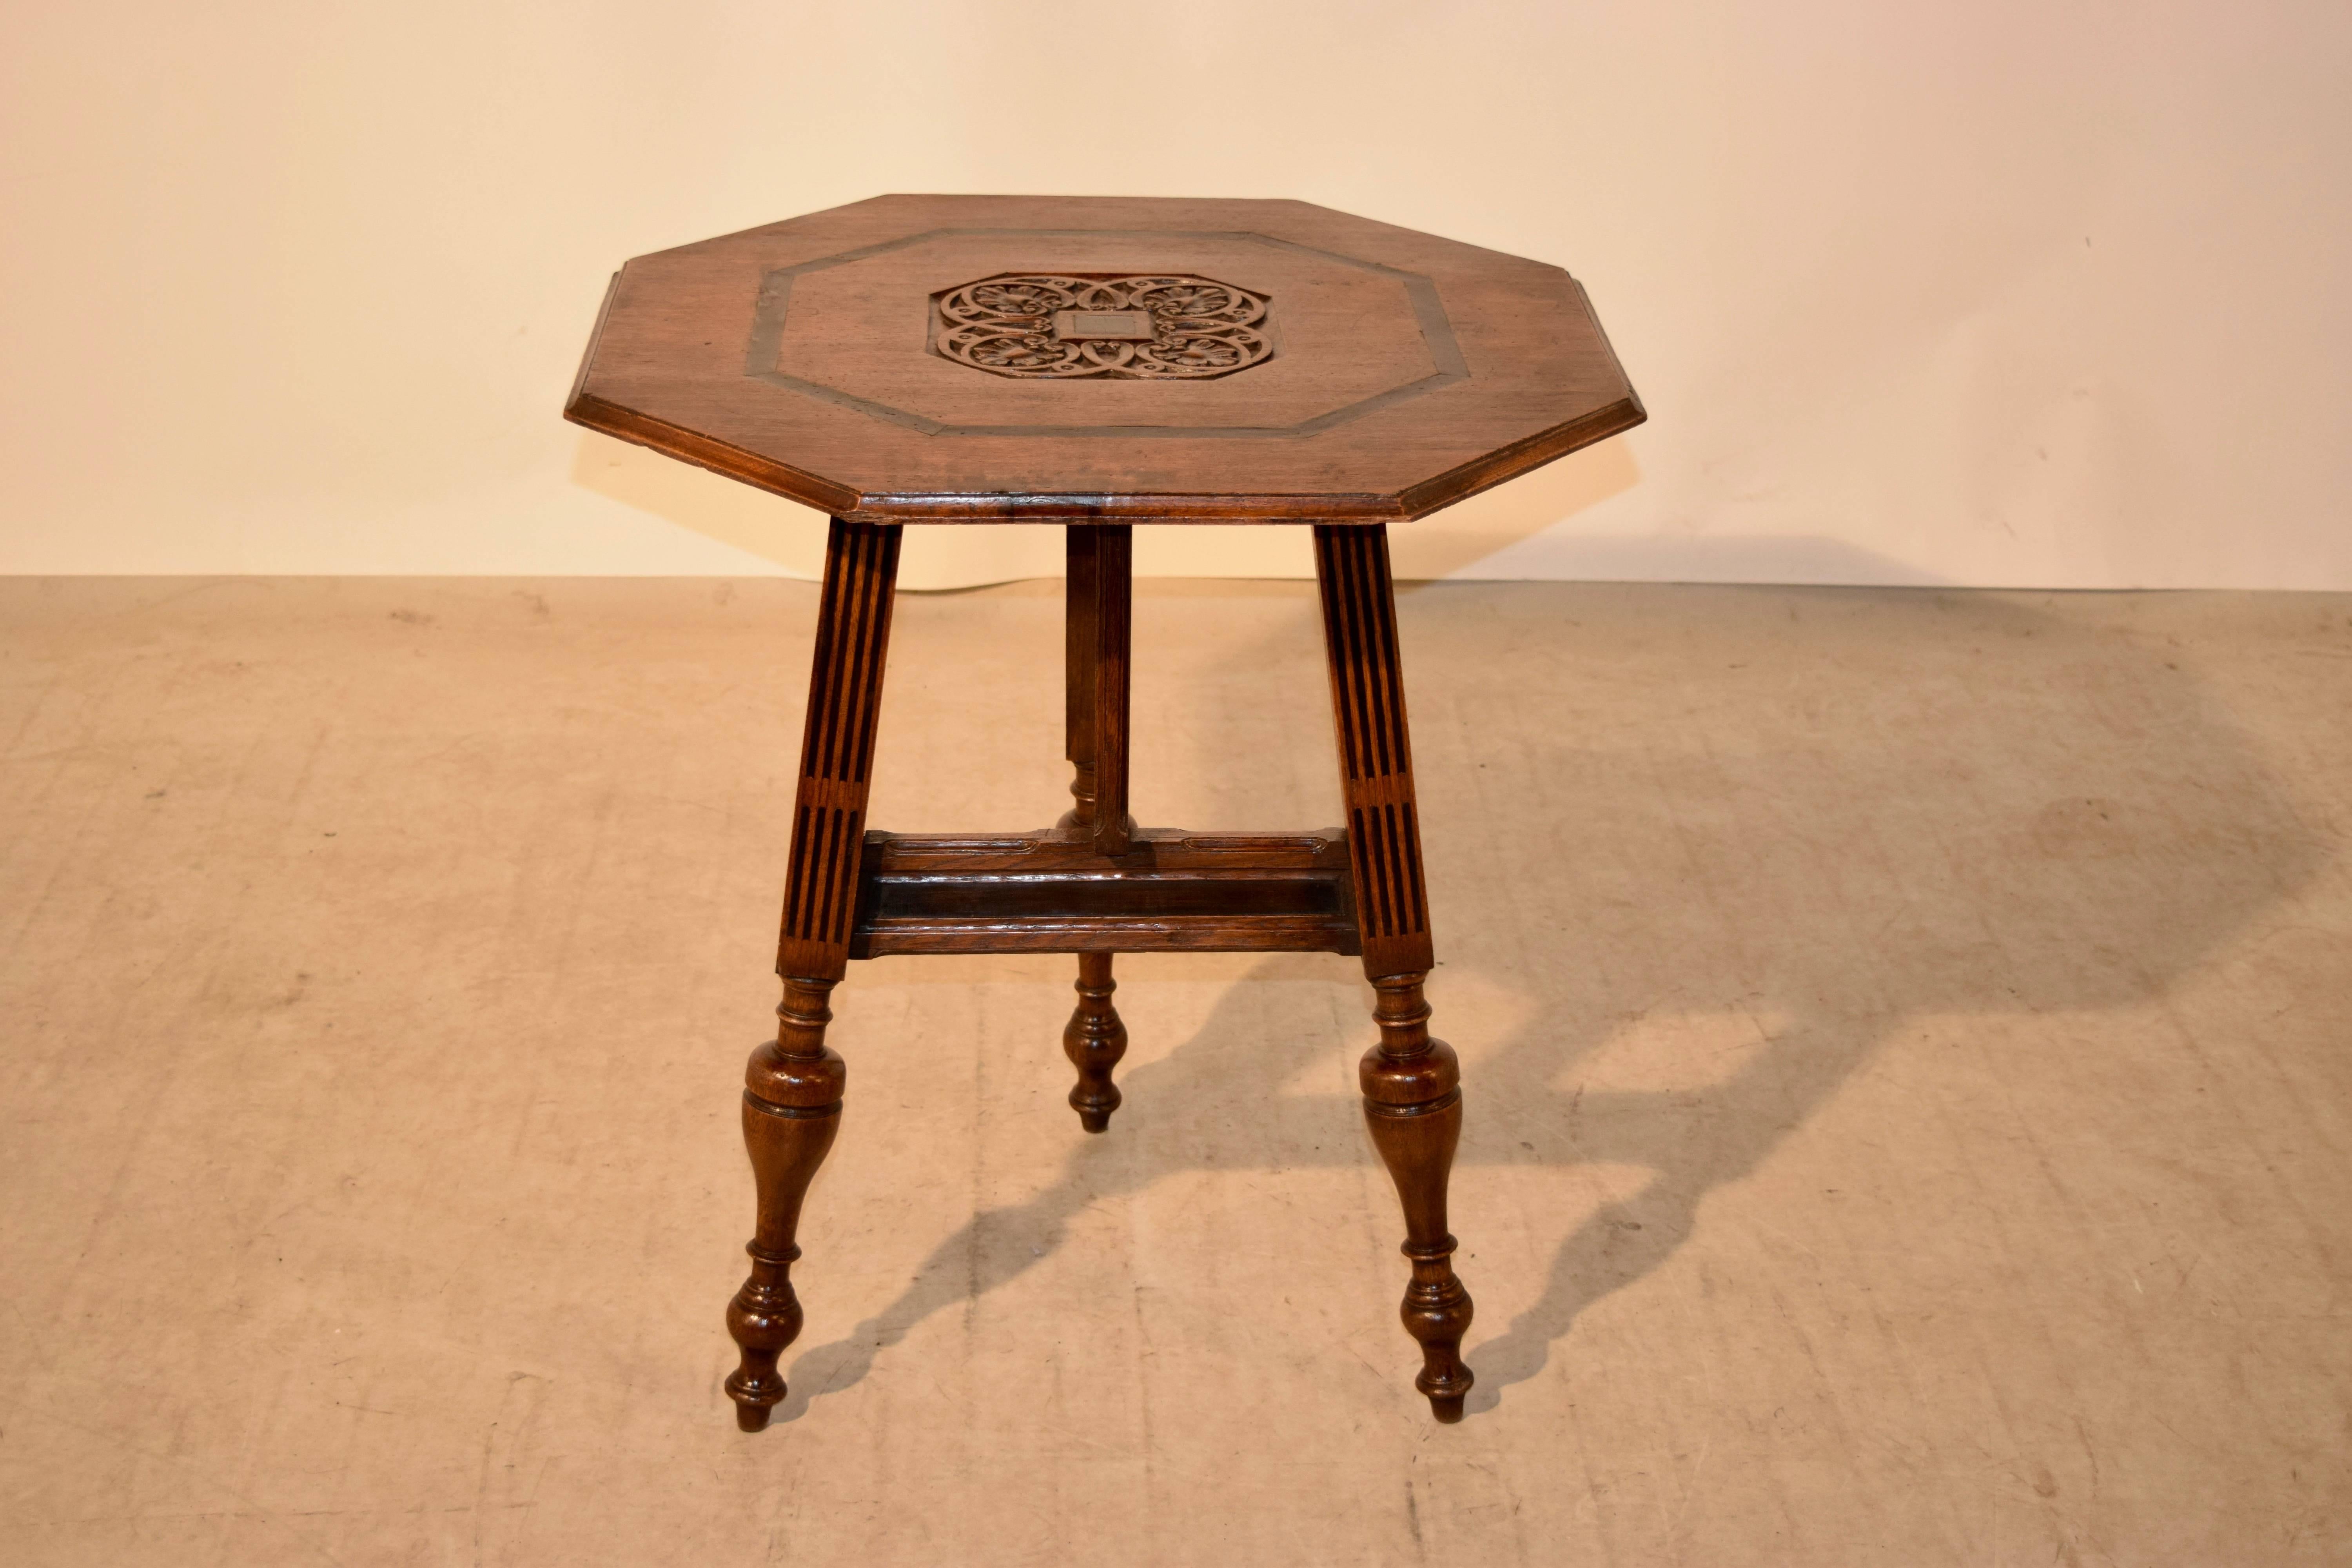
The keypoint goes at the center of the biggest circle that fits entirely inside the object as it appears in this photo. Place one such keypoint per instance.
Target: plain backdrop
(1993, 293)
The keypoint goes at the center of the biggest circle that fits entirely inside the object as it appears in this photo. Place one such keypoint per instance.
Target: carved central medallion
(1058, 326)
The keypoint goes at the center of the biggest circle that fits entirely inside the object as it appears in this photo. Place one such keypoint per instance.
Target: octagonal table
(1100, 362)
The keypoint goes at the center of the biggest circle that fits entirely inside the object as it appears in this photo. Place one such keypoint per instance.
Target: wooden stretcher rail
(1055, 892)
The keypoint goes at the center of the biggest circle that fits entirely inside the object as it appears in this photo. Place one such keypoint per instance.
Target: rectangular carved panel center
(1065, 326)
(1127, 326)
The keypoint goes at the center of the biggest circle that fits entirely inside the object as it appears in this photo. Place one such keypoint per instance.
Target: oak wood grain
(845, 706)
(1102, 362)
(1407, 371)
(1053, 891)
(793, 1084)
(1412, 1082)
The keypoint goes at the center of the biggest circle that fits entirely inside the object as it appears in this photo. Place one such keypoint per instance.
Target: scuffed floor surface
(1907, 1039)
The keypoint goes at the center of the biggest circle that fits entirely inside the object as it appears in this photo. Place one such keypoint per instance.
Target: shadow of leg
(1695, 1143)
(1259, 1035)
(993, 1248)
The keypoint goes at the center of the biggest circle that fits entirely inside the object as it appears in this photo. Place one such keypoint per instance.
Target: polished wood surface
(1351, 371)
(1109, 616)
(1083, 888)
(793, 1084)
(852, 635)
(1093, 847)
(1359, 636)
(1412, 1082)
(1102, 362)
(791, 1108)
(1054, 891)
(1095, 1039)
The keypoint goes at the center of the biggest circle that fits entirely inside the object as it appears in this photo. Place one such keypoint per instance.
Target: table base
(1094, 885)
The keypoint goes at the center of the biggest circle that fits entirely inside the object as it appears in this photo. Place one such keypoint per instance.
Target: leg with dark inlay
(791, 1099)
(1412, 1083)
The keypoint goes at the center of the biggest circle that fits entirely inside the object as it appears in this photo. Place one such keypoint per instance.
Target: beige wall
(1984, 293)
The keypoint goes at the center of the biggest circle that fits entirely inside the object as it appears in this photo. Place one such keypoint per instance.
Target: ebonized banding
(763, 352)
(852, 638)
(1351, 567)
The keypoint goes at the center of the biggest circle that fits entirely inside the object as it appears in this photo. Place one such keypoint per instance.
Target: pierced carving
(1064, 326)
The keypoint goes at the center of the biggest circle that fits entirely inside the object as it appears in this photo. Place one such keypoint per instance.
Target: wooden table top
(1035, 359)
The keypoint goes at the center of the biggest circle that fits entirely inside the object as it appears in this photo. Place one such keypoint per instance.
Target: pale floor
(1907, 1038)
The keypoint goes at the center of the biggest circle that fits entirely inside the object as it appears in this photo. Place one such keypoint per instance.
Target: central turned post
(1097, 620)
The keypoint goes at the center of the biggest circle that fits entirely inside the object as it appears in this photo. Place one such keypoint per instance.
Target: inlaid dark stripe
(796, 879)
(837, 741)
(1418, 901)
(885, 577)
(1375, 750)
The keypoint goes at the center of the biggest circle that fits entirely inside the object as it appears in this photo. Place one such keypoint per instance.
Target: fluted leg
(791, 1108)
(1413, 1095)
(792, 1091)
(1094, 1040)
(1413, 1103)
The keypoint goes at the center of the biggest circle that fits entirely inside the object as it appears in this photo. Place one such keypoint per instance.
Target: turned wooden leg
(1098, 618)
(1413, 1103)
(1412, 1083)
(792, 1096)
(1094, 1040)
(791, 1107)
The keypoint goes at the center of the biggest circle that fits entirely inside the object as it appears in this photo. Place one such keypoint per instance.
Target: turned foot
(791, 1108)
(1094, 1040)
(765, 1318)
(1413, 1103)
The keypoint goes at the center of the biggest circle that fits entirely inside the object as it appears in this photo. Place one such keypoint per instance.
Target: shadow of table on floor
(1869, 823)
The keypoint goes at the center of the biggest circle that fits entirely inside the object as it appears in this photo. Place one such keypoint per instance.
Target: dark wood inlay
(1351, 567)
(852, 638)
(765, 347)
(1408, 371)
(1342, 431)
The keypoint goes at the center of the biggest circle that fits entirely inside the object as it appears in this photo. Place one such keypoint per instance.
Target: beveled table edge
(1482, 473)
